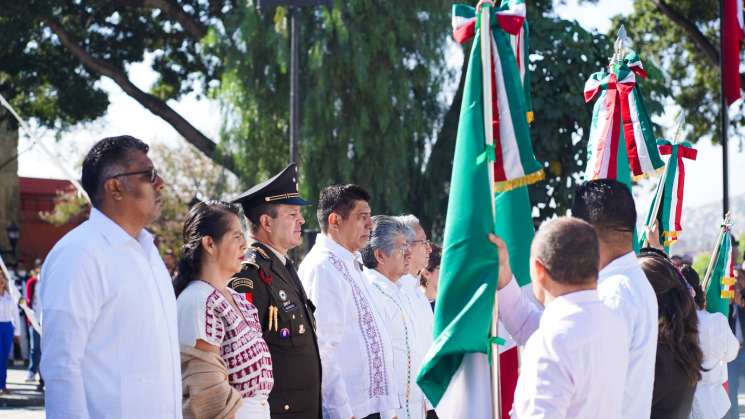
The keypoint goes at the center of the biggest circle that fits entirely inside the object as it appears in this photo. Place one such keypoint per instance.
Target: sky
(126, 116)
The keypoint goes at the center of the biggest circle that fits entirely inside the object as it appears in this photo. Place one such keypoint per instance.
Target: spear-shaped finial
(622, 42)
(679, 122)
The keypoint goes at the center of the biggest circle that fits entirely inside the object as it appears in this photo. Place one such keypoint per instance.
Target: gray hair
(383, 237)
(410, 221)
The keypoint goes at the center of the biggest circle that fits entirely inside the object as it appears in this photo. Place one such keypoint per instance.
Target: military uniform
(285, 312)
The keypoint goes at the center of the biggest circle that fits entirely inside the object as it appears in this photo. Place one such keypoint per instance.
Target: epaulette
(250, 258)
(258, 250)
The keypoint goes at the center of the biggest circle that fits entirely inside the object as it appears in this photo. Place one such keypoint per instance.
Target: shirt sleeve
(726, 340)
(517, 312)
(326, 290)
(72, 295)
(197, 319)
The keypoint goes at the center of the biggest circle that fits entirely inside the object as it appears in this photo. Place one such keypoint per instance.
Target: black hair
(254, 213)
(435, 258)
(339, 199)
(607, 204)
(204, 219)
(105, 155)
(568, 248)
(691, 276)
(677, 319)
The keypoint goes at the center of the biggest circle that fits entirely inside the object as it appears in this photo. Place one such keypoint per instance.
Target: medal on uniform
(284, 333)
(301, 329)
(282, 295)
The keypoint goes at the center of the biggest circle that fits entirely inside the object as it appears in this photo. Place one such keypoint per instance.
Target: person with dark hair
(719, 346)
(110, 339)
(387, 257)
(575, 357)
(217, 326)
(429, 277)
(269, 280)
(609, 207)
(679, 358)
(357, 376)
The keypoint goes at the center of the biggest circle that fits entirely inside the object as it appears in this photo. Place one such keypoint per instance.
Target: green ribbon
(489, 154)
(492, 340)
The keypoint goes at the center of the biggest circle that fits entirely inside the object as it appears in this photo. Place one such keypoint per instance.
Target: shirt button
(287, 407)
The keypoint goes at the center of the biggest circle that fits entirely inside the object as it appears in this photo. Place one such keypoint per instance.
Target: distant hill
(700, 226)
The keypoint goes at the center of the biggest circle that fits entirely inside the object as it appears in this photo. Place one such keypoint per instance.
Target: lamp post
(293, 7)
(13, 233)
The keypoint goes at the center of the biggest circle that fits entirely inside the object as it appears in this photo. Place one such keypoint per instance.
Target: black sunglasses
(152, 174)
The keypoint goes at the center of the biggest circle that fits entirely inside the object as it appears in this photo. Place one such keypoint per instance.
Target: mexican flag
(719, 288)
(455, 375)
(732, 34)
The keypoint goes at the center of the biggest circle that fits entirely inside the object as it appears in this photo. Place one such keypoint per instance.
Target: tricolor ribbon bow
(620, 113)
(506, 116)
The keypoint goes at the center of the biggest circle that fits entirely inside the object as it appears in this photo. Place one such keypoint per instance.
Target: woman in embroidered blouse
(214, 318)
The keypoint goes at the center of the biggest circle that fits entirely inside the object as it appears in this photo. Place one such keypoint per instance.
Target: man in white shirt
(575, 359)
(609, 207)
(386, 258)
(110, 341)
(421, 309)
(356, 351)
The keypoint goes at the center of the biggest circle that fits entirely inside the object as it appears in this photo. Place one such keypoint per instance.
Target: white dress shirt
(424, 317)
(574, 364)
(110, 342)
(719, 346)
(9, 312)
(391, 301)
(622, 287)
(355, 347)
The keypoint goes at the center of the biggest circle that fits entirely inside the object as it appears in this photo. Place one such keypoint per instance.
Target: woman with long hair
(719, 346)
(429, 277)
(8, 328)
(679, 359)
(219, 330)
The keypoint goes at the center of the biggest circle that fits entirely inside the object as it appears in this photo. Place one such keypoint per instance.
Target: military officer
(269, 279)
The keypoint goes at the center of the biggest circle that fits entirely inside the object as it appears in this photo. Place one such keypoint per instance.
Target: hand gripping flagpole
(484, 9)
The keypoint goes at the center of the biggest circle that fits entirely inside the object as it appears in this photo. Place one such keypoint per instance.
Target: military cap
(280, 189)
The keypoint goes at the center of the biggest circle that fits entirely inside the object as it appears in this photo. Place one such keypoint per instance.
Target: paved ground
(26, 402)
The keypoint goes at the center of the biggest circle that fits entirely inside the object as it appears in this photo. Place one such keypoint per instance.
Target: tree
(53, 54)
(188, 175)
(684, 36)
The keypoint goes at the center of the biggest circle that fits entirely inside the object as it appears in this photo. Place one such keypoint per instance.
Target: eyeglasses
(426, 243)
(151, 172)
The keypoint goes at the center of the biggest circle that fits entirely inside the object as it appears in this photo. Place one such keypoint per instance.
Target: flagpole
(724, 116)
(715, 253)
(486, 71)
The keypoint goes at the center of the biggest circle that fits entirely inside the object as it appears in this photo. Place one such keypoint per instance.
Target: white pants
(256, 407)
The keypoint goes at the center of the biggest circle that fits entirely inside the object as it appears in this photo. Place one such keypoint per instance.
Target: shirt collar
(113, 232)
(376, 277)
(327, 242)
(282, 258)
(620, 264)
(573, 298)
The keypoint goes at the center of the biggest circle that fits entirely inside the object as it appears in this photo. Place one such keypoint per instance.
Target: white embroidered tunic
(204, 313)
(392, 303)
(355, 347)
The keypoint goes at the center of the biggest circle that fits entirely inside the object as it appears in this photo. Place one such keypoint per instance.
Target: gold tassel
(521, 181)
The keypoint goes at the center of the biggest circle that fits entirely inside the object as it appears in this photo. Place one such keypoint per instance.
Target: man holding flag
(575, 359)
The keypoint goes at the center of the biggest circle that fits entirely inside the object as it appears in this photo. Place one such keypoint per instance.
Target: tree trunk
(10, 199)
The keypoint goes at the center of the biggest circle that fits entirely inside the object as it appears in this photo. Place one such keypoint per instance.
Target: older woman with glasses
(387, 257)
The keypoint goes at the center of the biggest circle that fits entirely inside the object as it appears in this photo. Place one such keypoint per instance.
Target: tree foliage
(683, 36)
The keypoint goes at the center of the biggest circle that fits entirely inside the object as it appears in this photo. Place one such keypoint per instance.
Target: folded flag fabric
(619, 115)
(670, 193)
(719, 290)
